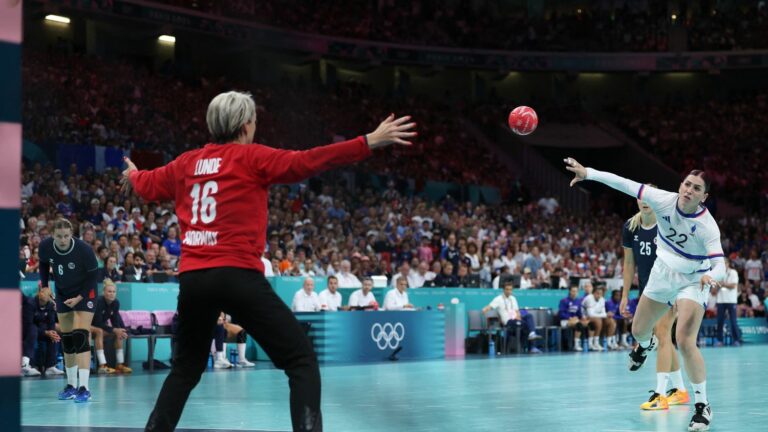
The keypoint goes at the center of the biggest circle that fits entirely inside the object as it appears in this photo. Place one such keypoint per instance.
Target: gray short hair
(227, 113)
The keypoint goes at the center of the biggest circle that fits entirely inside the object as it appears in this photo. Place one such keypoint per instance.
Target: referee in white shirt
(727, 298)
(330, 299)
(305, 299)
(397, 298)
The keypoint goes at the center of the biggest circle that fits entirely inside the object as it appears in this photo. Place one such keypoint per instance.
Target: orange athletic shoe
(123, 369)
(677, 397)
(105, 370)
(656, 402)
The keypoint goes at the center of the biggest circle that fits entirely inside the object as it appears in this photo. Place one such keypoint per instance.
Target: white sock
(72, 376)
(120, 356)
(661, 382)
(624, 337)
(644, 343)
(241, 352)
(677, 380)
(25, 362)
(219, 355)
(700, 392)
(84, 375)
(102, 358)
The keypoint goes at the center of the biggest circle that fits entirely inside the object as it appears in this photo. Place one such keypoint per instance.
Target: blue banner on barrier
(341, 337)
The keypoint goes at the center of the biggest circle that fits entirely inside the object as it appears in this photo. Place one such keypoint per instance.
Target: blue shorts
(87, 304)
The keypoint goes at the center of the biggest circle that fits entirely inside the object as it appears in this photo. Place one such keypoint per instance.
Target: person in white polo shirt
(727, 297)
(397, 298)
(363, 298)
(510, 315)
(305, 299)
(330, 298)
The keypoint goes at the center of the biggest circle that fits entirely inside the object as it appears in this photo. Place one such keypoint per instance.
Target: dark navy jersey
(643, 244)
(107, 312)
(41, 316)
(74, 270)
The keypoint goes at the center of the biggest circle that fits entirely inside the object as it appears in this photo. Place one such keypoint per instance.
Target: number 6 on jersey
(206, 202)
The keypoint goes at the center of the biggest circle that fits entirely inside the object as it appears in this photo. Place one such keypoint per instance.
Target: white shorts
(666, 286)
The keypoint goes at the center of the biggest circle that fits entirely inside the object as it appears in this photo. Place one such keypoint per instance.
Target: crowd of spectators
(488, 24)
(88, 100)
(729, 136)
(326, 228)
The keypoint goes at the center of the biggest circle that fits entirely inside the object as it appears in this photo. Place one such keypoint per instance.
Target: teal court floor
(560, 392)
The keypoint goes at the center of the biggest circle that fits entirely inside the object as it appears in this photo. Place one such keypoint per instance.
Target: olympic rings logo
(387, 335)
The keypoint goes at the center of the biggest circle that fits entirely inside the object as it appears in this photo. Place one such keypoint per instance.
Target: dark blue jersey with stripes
(642, 241)
(74, 270)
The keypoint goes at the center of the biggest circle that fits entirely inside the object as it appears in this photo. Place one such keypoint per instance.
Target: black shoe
(637, 356)
(701, 418)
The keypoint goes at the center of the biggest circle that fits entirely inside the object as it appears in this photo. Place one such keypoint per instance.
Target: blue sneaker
(68, 393)
(83, 395)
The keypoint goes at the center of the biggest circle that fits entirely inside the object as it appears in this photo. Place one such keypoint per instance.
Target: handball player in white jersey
(689, 260)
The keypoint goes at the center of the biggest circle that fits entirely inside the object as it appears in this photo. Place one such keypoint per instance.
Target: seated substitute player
(612, 307)
(226, 331)
(38, 319)
(107, 324)
(597, 315)
(571, 316)
(75, 270)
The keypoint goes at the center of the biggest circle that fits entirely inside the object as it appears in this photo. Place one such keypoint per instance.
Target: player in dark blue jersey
(74, 268)
(639, 241)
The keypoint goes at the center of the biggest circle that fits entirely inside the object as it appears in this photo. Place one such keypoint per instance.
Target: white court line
(626, 430)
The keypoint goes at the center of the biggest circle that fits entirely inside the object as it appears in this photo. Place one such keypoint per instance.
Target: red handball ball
(523, 120)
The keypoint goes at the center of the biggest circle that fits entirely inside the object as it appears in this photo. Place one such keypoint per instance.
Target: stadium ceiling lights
(57, 18)
(167, 39)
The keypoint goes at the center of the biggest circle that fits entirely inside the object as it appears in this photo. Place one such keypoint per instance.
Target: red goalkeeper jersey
(221, 195)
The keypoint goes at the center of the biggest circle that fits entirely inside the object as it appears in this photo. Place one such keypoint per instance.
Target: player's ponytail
(635, 220)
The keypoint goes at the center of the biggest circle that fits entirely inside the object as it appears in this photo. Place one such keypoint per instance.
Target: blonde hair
(635, 220)
(109, 281)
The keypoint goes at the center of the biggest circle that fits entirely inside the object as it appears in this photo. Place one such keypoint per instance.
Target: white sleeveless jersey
(685, 242)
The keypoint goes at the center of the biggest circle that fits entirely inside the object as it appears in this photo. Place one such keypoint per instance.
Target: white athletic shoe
(701, 418)
(222, 364)
(577, 347)
(29, 371)
(245, 363)
(53, 371)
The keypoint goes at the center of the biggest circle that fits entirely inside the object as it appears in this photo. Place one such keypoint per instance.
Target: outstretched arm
(621, 184)
(282, 166)
(654, 197)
